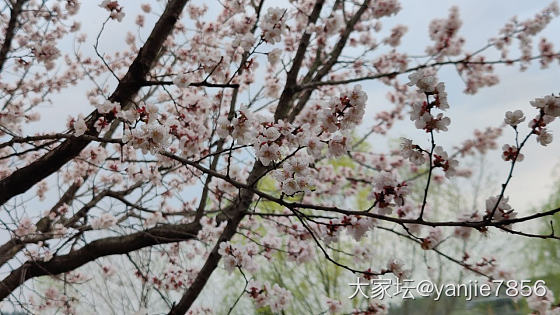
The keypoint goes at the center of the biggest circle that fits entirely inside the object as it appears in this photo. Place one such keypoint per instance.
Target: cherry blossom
(274, 56)
(79, 126)
(47, 53)
(150, 138)
(542, 304)
(238, 256)
(338, 145)
(388, 192)
(412, 152)
(272, 25)
(396, 266)
(385, 8)
(106, 220)
(549, 104)
(421, 111)
(334, 306)
(503, 211)
(26, 227)
(544, 137)
(274, 296)
(444, 34)
(424, 81)
(114, 8)
(442, 159)
(433, 239)
(107, 107)
(182, 80)
(511, 153)
(268, 153)
(345, 112)
(397, 33)
(514, 118)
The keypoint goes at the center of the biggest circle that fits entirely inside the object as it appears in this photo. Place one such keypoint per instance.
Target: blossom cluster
(550, 108)
(273, 141)
(444, 34)
(52, 300)
(345, 112)
(434, 238)
(115, 10)
(421, 112)
(25, 227)
(444, 161)
(396, 266)
(241, 256)
(173, 278)
(355, 225)
(501, 208)
(483, 141)
(104, 221)
(273, 296)
(295, 174)
(412, 152)
(543, 303)
(385, 8)
(39, 252)
(388, 192)
(524, 32)
(272, 25)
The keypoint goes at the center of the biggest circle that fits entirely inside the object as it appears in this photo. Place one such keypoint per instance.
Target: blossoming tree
(215, 140)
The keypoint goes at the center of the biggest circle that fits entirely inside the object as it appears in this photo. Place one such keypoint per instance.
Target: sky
(481, 20)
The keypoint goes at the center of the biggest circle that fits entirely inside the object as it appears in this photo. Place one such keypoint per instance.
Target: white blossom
(183, 80)
(425, 82)
(544, 137)
(106, 220)
(514, 118)
(80, 126)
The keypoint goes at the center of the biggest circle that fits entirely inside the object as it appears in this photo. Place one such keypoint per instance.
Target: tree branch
(10, 31)
(161, 234)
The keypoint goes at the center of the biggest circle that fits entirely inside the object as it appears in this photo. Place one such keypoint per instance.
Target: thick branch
(10, 31)
(209, 266)
(291, 80)
(162, 234)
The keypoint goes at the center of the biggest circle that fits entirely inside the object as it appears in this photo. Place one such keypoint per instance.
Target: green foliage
(311, 282)
(544, 254)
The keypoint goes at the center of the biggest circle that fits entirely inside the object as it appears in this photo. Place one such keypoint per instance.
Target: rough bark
(10, 31)
(162, 234)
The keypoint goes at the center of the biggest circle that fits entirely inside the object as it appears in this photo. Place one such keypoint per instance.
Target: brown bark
(162, 234)
(10, 31)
